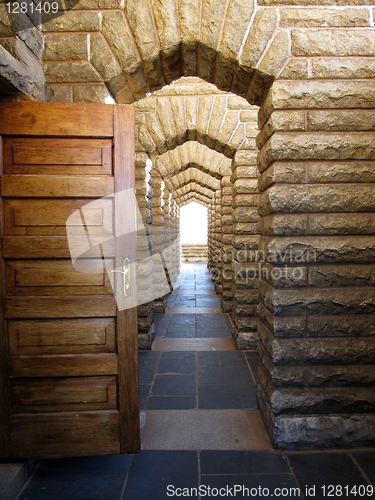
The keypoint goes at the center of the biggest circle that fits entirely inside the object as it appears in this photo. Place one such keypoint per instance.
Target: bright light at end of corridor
(193, 224)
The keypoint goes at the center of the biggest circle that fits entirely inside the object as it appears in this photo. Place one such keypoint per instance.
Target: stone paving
(201, 427)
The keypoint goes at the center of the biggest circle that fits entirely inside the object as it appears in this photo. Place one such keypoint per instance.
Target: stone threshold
(203, 430)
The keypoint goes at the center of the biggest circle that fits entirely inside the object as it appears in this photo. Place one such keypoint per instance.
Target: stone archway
(316, 163)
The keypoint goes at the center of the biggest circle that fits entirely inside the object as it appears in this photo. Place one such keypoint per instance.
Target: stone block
(90, 93)
(318, 17)
(330, 301)
(245, 186)
(317, 146)
(343, 67)
(343, 120)
(139, 17)
(297, 198)
(72, 21)
(333, 43)
(316, 94)
(261, 31)
(65, 72)
(59, 93)
(276, 55)
(295, 69)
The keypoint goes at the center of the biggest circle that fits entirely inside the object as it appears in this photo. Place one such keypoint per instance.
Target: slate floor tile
(323, 469)
(178, 354)
(366, 460)
(232, 358)
(227, 396)
(161, 468)
(175, 365)
(174, 385)
(172, 403)
(207, 358)
(243, 462)
(183, 334)
(146, 375)
(91, 478)
(224, 375)
(207, 331)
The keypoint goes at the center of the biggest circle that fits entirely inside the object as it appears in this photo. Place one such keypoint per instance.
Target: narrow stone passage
(200, 424)
(194, 366)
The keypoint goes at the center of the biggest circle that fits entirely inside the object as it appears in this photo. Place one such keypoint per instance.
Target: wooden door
(68, 355)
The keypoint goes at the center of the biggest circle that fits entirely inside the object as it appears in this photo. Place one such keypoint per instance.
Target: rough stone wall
(317, 315)
(145, 263)
(161, 287)
(21, 46)
(245, 241)
(226, 276)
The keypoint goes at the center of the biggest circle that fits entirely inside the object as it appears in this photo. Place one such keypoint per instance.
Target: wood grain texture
(57, 156)
(56, 186)
(75, 365)
(61, 336)
(4, 393)
(49, 217)
(64, 394)
(44, 247)
(70, 355)
(65, 434)
(65, 120)
(60, 307)
(126, 329)
(56, 277)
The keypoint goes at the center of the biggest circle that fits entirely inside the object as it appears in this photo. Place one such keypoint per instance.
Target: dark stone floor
(192, 325)
(208, 380)
(156, 475)
(199, 381)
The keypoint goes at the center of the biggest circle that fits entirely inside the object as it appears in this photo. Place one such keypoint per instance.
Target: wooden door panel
(55, 277)
(61, 336)
(65, 365)
(75, 433)
(63, 394)
(59, 307)
(44, 247)
(57, 156)
(28, 217)
(69, 385)
(56, 186)
(57, 120)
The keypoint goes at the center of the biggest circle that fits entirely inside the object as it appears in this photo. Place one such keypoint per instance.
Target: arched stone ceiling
(168, 119)
(192, 175)
(138, 46)
(191, 197)
(192, 154)
(193, 187)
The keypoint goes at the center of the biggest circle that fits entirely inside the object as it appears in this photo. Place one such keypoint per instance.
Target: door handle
(126, 273)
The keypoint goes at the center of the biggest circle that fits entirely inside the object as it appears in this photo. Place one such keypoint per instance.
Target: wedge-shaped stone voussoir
(302, 198)
(317, 94)
(261, 31)
(317, 146)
